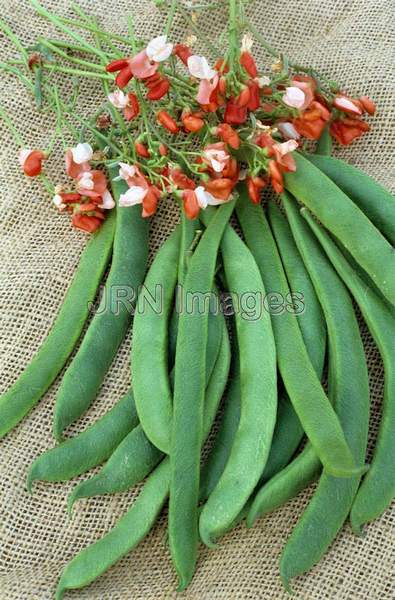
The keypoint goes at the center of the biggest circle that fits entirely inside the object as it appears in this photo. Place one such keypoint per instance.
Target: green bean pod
(153, 395)
(258, 383)
(88, 449)
(374, 200)
(288, 431)
(62, 338)
(94, 560)
(109, 326)
(285, 484)
(222, 446)
(189, 384)
(324, 144)
(130, 463)
(136, 456)
(302, 384)
(378, 486)
(346, 221)
(349, 389)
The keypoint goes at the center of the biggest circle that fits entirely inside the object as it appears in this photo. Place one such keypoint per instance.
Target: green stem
(74, 59)
(215, 52)
(170, 17)
(262, 40)
(13, 38)
(59, 23)
(77, 72)
(11, 127)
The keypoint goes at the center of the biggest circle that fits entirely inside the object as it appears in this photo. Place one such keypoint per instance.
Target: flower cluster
(89, 198)
(239, 124)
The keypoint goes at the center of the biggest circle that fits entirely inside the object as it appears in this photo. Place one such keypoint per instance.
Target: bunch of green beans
(329, 244)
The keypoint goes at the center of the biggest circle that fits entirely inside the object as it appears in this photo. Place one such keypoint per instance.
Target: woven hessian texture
(350, 41)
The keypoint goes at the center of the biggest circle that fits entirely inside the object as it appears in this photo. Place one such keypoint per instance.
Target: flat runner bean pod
(378, 486)
(302, 384)
(108, 328)
(88, 449)
(62, 338)
(222, 446)
(153, 395)
(324, 144)
(374, 200)
(136, 456)
(349, 388)
(189, 387)
(288, 431)
(94, 560)
(258, 405)
(133, 459)
(346, 221)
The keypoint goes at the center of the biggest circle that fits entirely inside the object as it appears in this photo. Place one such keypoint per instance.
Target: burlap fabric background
(350, 40)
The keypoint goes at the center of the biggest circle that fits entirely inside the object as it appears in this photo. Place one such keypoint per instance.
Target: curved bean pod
(94, 560)
(130, 463)
(302, 384)
(286, 484)
(153, 395)
(189, 387)
(258, 406)
(108, 328)
(378, 486)
(374, 200)
(136, 456)
(349, 388)
(220, 451)
(62, 338)
(288, 431)
(88, 449)
(324, 144)
(346, 221)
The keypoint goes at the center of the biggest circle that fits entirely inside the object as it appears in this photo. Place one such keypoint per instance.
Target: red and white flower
(126, 102)
(209, 78)
(31, 161)
(216, 156)
(77, 159)
(159, 49)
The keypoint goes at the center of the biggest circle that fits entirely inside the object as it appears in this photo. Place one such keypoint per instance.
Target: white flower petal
(262, 81)
(82, 153)
(287, 147)
(85, 181)
(134, 195)
(199, 67)
(107, 201)
(126, 171)
(247, 41)
(23, 154)
(204, 198)
(58, 201)
(158, 49)
(294, 97)
(118, 99)
(347, 105)
(288, 131)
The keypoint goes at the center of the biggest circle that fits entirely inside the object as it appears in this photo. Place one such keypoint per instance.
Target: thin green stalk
(14, 39)
(17, 136)
(198, 32)
(59, 22)
(77, 72)
(66, 56)
(170, 16)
